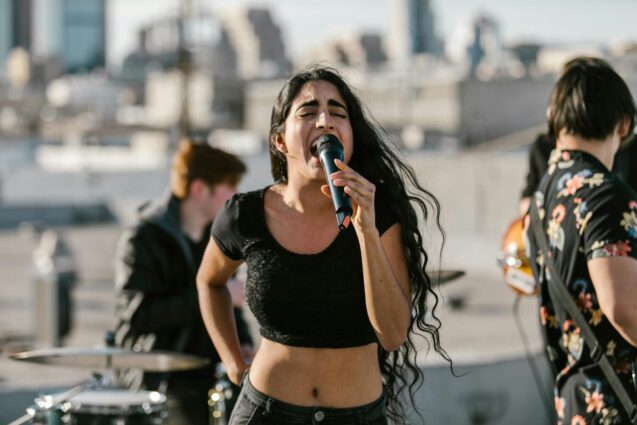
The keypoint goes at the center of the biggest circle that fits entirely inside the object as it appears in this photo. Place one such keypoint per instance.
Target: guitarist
(589, 217)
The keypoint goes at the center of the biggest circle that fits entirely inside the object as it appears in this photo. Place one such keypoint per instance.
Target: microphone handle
(342, 203)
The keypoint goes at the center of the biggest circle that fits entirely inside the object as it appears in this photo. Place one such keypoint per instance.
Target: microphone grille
(327, 141)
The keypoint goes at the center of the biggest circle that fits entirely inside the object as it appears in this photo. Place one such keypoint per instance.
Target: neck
(604, 150)
(193, 224)
(305, 196)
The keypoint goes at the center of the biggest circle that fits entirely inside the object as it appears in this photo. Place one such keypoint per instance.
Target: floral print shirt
(587, 213)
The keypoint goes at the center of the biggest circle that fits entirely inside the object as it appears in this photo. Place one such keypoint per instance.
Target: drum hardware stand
(32, 410)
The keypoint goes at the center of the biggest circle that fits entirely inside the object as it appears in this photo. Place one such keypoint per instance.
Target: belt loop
(244, 377)
(268, 407)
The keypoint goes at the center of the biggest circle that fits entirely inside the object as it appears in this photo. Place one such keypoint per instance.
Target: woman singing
(336, 309)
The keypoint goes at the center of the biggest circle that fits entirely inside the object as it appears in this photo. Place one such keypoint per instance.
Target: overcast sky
(309, 21)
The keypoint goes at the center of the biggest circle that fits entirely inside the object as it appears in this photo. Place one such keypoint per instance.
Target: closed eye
(306, 111)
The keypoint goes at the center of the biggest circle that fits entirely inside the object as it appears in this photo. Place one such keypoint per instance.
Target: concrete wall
(54, 215)
(501, 392)
(491, 109)
(478, 191)
(398, 103)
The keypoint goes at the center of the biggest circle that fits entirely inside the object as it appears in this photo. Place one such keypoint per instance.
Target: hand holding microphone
(329, 148)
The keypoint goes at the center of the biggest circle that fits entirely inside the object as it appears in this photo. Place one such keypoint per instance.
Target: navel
(315, 392)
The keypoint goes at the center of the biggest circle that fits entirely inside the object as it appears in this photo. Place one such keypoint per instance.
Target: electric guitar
(514, 262)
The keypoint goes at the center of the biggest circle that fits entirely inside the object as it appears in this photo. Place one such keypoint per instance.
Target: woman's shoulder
(239, 212)
(246, 199)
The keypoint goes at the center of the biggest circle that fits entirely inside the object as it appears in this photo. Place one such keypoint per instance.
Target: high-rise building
(47, 24)
(83, 34)
(15, 25)
(6, 37)
(72, 32)
(22, 23)
(411, 30)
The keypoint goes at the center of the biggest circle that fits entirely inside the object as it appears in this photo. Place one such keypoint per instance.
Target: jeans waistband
(368, 411)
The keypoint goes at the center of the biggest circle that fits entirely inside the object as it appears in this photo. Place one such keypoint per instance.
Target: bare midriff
(326, 377)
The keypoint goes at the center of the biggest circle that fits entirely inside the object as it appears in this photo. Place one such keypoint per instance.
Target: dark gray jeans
(254, 407)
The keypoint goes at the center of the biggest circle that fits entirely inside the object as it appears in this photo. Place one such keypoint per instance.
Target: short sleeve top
(587, 213)
(307, 300)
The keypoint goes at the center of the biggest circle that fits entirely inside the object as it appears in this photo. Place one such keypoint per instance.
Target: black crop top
(303, 300)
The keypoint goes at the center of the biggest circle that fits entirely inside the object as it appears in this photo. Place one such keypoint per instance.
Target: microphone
(328, 148)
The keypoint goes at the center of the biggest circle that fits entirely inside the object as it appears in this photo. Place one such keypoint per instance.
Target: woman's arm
(387, 290)
(217, 310)
(615, 282)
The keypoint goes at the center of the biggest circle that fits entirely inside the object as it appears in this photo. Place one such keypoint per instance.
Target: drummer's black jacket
(157, 306)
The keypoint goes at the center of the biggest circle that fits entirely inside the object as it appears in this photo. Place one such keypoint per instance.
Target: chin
(318, 176)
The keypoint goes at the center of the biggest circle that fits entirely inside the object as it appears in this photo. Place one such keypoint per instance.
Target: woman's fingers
(356, 186)
(360, 190)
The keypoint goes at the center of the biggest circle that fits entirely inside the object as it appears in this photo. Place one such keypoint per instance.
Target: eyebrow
(315, 102)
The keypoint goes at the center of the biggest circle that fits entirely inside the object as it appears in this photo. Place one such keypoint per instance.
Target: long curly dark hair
(378, 162)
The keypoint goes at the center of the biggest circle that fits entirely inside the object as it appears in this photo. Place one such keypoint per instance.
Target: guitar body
(514, 262)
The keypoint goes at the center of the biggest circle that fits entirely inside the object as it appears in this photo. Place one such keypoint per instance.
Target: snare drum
(103, 407)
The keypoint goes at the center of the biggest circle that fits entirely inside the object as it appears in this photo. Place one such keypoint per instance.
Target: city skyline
(304, 25)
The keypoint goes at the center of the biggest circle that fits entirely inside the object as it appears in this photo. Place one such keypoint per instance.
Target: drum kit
(99, 400)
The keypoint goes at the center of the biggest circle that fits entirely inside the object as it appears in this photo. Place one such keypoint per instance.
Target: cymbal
(112, 358)
(444, 276)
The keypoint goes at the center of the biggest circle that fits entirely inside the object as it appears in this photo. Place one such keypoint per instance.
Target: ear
(198, 187)
(623, 128)
(280, 143)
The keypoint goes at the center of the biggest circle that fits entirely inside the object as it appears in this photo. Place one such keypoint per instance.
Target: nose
(324, 120)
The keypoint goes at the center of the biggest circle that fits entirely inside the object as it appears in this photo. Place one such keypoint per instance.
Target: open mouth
(314, 148)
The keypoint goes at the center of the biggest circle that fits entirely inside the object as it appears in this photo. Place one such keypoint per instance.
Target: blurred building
(15, 25)
(439, 110)
(527, 53)
(625, 60)
(196, 33)
(362, 50)
(83, 30)
(21, 14)
(485, 49)
(5, 31)
(550, 59)
(476, 44)
(411, 30)
(184, 73)
(256, 41)
(212, 100)
(192, 65)
(69, 32)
